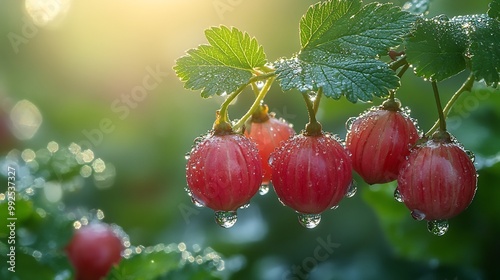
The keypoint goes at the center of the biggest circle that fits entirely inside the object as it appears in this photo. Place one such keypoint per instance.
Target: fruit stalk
(313, 128)
(466, 86)
(442, 119)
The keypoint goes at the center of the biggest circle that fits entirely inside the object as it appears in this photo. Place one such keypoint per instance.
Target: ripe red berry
(311, 174)
(379, 140)
(267, 132)
(93, 250)
(223, 172)
(437, 181)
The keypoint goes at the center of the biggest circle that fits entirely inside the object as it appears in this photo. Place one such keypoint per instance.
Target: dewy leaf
(440, 47)
(494, 10)
(353, 76)
(436, 48)
(340, 44)
(484, 46)
(223, 65)
(418, 7)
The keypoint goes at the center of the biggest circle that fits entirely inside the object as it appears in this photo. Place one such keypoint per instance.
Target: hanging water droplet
(264, 189)
(397, 195)
(349, 122)
(309, 220)
(245, 206)
(196, 202)
(226, 219)
(438, 227)
(471, 155)
(418, 215)
(353, 188)
(188, 191)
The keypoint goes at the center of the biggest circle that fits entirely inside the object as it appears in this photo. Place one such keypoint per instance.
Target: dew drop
(245, 206)
(226, 219)
(352, 189)
(471, 155)
(438, 227)
(187, 156)
(397, 195)
(334, 207)
(188, 191)
(418, 215)
(264, 189)
(196, 202)
(309, 220)
(349, 122)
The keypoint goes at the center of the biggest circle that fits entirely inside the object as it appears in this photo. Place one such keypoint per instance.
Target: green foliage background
(73, 72)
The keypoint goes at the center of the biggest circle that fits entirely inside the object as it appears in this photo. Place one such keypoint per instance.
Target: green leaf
(145, 266)
(436, 48)
(340, 45)
(494, 9)
(484, 47)
(417, 7)
(223, 65)
(440, 47)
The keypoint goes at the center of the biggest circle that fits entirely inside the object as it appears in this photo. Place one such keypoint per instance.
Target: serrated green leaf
(484, 47)
(145, 266)
(494, 9)
(340, 43)
(440, 47)
(417, 7)
(353, 76)
(436, 48)
(223, 65)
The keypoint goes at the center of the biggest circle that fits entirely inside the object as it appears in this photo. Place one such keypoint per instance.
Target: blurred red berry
(93, 250)
(267, 132)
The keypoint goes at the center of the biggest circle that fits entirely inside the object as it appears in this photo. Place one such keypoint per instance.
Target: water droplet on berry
(188, 191)
(418, 215)
(471, 155)
(349, 122)
(352, 189)
(264, 189)
(334, 207)
(397, 195)
(245, 206)
(196, 202)
(309, 220)
(187, 156)
(226, 219)
(438, 227)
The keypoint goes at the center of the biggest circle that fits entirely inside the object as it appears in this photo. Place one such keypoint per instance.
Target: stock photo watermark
(464, 109)
(123, 105)
(321, 253)
(11, 218)
(221, 7)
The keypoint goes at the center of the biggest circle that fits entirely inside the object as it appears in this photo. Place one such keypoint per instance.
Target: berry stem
(442, 119)
(313, 127)
(223, 115)
(398, 63)
(256, 104)
(466, 86)
(319, 94)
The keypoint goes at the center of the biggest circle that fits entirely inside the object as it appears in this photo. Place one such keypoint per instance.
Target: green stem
(442, 119)
(319, 94)
(403, 70)
(224, 115)
(255, 105)
(313, 128)
(398, 63)
(466, 86)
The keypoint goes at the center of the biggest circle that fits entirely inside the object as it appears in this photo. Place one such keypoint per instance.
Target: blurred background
(72, 71)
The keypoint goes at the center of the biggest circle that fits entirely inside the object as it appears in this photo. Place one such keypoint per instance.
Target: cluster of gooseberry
(312, 171)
